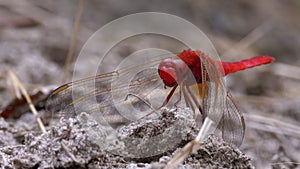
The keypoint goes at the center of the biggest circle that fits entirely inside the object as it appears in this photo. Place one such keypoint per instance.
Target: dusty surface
(70, 144)
(268, 96)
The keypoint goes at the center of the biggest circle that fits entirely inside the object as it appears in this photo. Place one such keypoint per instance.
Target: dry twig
(286, 70)
(73, 39)
(272, 125)
(20, 86)
(207, 128)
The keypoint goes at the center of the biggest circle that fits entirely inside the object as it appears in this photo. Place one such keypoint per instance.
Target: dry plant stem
(13, 88)
(73, 39)
(17, 82)
(206, 129)
(286, 70)
(273, 125)
(181, 155)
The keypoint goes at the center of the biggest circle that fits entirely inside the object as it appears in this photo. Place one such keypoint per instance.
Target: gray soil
(71, 144)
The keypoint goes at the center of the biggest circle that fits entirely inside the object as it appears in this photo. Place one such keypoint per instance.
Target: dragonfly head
(172, 71)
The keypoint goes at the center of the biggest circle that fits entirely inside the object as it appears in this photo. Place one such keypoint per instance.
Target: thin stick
(274, 125)
(195, 100)
(286, 70)
(13, 89)
(73, 39)
(207, 128)
(26, 96)
(180, 156)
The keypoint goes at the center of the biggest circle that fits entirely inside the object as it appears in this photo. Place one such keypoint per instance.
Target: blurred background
(35, 37)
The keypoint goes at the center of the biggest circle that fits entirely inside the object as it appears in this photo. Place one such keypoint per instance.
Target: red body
(175, 69)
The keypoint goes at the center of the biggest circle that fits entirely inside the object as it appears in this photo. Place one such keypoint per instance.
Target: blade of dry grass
(286, 70)
(270, 124)
(18, 83)
(181, 155)
(207, 128)
(73, 39)
(13, 89)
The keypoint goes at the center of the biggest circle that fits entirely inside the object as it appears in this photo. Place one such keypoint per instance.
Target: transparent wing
(107, 94)
(210, 96)
(232, 124)
(213, 89)
(218, 104)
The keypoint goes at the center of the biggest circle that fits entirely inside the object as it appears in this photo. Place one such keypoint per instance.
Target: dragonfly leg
(144, 101)
(181, 92)
(188, 101)
(169, 96)
(194, 99)
(166, 101)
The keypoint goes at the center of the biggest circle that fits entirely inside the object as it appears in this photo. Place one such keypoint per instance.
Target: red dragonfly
(190, 77)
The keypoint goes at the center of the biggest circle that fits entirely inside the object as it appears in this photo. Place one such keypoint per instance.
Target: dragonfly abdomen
(231, 67)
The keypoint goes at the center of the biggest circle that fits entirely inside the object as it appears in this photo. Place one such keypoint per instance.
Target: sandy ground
(71, 144)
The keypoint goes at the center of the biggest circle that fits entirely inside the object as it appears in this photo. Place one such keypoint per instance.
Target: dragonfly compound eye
(172, 71)
(167, 72)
